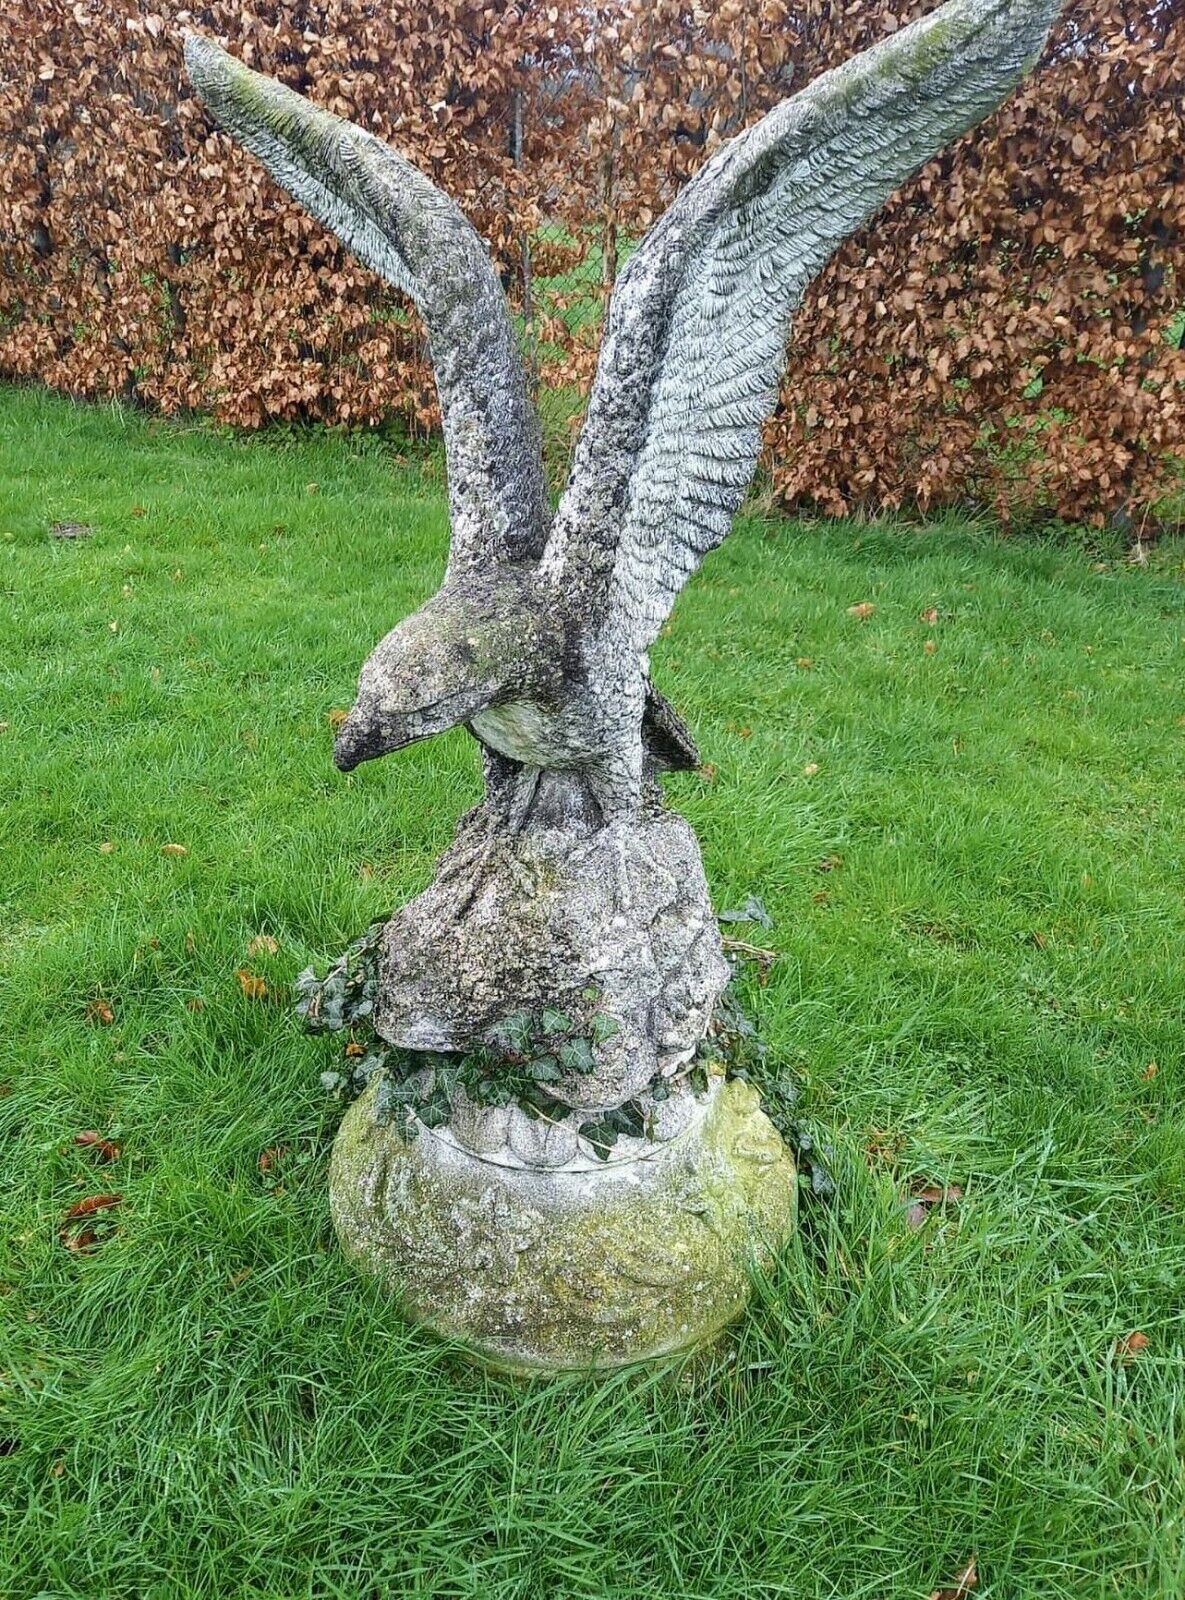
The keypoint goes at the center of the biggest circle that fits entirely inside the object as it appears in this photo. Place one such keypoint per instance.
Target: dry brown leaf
(81, 1242)
(92, 1204)
(100, 1011)
(262, 945)
(104, 1149)
(1130, 1345)
(862, 611)
(967, 1580)
(251, 984)
(174, 850)
(106, 848)
(336, 718)
(272, 1156)
(927, 1198)
(929, 615)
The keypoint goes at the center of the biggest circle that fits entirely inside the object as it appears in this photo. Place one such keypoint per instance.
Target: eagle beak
(361, 739)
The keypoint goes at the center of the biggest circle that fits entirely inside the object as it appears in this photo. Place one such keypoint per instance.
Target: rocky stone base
(577, 1266)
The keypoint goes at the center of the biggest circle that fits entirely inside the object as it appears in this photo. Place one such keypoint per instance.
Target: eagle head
(433, 672)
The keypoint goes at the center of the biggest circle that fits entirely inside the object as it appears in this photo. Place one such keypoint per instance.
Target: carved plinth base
(594, 1264)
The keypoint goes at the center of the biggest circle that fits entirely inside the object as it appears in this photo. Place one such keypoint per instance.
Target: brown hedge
(1000, 333)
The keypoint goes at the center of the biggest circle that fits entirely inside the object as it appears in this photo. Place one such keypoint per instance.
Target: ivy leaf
(600, 1136)
(753, 910)
(545, 1069)
(604, 1028)
(555, 1022)
(512, 1033)
(576, 1055)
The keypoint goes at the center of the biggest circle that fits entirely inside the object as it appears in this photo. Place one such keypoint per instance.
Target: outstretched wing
(401, 226)
(694, 342)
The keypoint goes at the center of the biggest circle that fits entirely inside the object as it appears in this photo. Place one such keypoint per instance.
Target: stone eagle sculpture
(537, 641)
(551, 1161)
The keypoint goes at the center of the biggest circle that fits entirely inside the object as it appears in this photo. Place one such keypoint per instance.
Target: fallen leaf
(105, 1149)
(4, 726)
(262, 944)
(354, 1050)
(241, 1276)
(745, 733)
(312, 488)
(929, 615)
(810, 769)
(336, 718)
(174, 850)
(805, 663)
(929, 647)
(92, 1204)
(967, 1580)
(863, 611)
(113, 626)
(272, 1156)
(71, 530)
(753, 910)
(923, 1201)
(829, 864)
(251, 985)
(100, 1011)
(1130, 1345)
(1149, 1072)
(195, 1003)
(138, 511)
(708, 772)
(106, 848)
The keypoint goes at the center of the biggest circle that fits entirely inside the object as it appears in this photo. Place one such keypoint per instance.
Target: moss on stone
(552, 1270)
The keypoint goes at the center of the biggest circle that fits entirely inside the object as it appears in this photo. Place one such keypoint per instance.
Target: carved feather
(694, 344)
(403, 227)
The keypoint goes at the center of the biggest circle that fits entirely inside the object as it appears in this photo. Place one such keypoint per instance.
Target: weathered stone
(501, 1227)
(559, 907)
(593, 1266)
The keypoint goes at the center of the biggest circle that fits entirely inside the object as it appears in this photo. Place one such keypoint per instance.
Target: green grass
(211, 1404)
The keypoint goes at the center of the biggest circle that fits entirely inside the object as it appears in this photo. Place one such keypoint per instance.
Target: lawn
(964, 814)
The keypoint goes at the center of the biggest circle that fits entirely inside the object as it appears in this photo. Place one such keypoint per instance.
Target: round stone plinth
(573, 1267)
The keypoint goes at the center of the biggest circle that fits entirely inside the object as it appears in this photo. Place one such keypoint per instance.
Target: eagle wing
(400, 225)
(694, 342)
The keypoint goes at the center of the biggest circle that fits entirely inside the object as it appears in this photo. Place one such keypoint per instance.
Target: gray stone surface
(501, 1228)
(540, 1270)
(538, 918)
